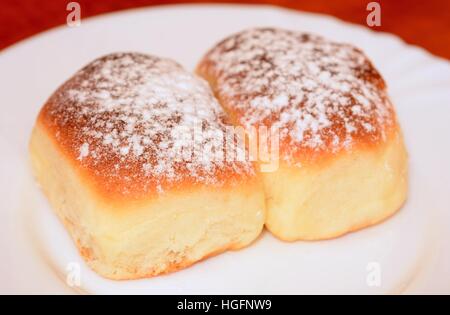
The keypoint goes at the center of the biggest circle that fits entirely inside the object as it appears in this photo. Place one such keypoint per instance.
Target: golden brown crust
(115, 120)
(170, 267)
(361, 225)
(322, 96)
(338, 194)
(113, 234)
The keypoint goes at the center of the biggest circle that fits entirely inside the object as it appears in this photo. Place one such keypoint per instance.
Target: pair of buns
(113, 151)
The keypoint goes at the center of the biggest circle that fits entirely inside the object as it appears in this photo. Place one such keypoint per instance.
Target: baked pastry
(114, 153)
(342, 163)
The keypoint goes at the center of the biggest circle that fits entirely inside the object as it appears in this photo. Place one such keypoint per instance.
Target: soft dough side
(342, 161)
(104, 152)
(145, 238)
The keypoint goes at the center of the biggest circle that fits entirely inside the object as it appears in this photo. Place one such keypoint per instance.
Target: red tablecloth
(421, 22)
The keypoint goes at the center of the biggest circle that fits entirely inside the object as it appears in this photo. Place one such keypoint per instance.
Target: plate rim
(37, 37)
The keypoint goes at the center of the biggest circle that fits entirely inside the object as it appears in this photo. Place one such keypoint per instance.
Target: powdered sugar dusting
(322, 95)
(125, 115)
(84, 151)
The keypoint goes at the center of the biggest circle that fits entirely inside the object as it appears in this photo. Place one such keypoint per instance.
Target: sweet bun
(104, 150)
(342, 160)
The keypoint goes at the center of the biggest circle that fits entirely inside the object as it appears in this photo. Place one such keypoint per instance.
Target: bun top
(127, 120)
(322, 96)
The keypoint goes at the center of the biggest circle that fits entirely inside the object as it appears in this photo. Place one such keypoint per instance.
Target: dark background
(425, 23)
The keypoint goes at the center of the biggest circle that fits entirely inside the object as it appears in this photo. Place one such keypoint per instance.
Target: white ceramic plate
(411, 249)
